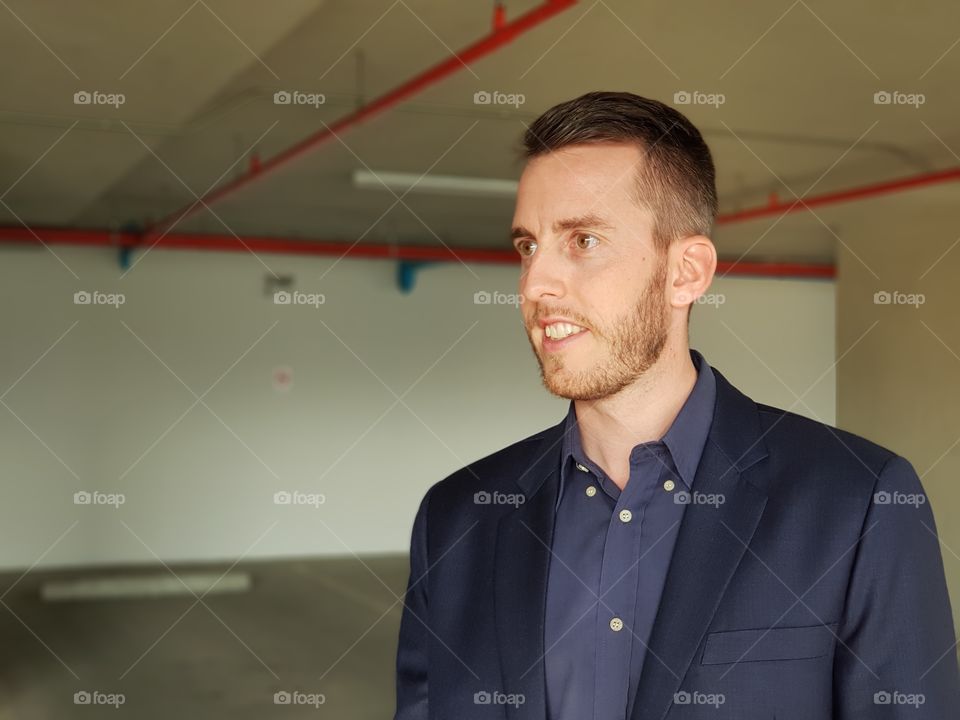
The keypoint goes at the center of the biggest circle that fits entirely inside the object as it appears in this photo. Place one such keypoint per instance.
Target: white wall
(775, 340)
(97, 405)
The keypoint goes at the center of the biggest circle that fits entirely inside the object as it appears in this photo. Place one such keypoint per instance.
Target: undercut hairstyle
(676, 180)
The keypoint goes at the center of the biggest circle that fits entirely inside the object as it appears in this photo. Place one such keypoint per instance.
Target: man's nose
(543, 277)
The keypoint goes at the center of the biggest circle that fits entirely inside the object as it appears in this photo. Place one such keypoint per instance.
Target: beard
(633, 345)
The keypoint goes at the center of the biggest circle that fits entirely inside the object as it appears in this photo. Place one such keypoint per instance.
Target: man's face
(588, 259)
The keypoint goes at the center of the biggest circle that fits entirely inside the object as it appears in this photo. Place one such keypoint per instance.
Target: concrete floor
(306, 625)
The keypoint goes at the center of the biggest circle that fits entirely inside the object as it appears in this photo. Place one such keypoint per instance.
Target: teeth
(558, 331)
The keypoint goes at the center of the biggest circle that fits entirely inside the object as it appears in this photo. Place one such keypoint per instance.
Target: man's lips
(551, 345)
(551, 319)
(557, 332)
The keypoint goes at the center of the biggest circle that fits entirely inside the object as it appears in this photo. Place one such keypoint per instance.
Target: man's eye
(592, 241)
(526, 247)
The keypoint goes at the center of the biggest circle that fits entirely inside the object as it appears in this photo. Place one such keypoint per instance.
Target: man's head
(614, 213)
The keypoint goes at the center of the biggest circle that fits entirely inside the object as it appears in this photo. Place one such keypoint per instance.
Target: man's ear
(694, 263)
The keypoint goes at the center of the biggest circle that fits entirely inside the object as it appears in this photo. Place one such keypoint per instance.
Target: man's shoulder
(825, 451)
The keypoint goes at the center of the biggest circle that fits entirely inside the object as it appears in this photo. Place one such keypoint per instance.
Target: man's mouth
(561, 330)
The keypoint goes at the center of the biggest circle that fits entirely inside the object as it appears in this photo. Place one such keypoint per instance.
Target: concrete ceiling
(199, 77)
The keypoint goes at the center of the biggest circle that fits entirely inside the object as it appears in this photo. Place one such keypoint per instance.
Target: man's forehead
(582, 170)
(556, 196)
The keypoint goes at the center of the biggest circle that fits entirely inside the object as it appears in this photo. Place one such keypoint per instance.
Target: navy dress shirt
(611, 551)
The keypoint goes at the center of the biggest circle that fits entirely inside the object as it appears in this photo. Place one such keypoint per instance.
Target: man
(671, 549)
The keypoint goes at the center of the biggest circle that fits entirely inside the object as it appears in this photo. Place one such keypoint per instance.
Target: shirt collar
(685, 439)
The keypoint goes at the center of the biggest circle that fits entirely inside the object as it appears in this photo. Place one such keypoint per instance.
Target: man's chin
(560, 384)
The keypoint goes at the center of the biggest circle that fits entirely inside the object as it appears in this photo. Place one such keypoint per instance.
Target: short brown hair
(677, 182)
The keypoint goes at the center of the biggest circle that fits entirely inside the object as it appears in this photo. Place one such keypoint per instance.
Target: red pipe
(416, 252)
(775, 207)
(286, 246)
(186, 241)
(500, 36)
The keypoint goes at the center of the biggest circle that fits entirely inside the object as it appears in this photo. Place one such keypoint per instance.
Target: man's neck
(642, 412)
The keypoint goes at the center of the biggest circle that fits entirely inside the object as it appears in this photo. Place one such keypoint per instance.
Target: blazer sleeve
(412, 648)
(896, 655)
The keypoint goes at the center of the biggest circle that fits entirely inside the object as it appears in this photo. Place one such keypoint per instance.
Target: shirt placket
(618, 583)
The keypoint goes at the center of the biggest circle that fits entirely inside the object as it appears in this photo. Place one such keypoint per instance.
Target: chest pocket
(768, 644)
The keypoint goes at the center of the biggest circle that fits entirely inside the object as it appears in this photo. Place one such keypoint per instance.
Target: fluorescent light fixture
(435, 184)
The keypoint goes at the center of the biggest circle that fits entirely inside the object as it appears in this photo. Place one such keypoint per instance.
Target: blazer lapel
(522, 557)
(711, 541)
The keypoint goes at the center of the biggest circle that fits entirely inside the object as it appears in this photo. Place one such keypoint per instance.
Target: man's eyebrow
(520, 232)
(590, 220)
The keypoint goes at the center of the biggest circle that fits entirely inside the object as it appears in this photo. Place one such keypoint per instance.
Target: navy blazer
(814, 590)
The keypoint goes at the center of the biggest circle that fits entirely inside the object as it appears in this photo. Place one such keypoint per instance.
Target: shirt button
(616, 624)
(591, 491)
(669, 485)
(582, 468)
(626, 516)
